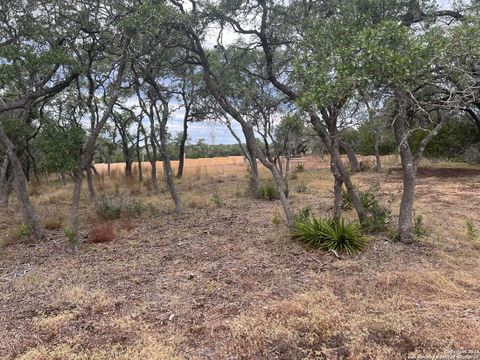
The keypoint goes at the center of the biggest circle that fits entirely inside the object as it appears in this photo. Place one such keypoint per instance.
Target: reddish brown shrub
(101, 233)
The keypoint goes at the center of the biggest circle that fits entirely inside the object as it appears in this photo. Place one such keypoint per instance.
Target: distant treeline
(458, 140)
(200, 149)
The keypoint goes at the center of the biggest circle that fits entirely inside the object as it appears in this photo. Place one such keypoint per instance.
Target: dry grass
(225, 281)
(52, 223)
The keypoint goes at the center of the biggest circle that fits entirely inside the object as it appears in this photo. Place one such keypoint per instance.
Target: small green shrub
(472, 232)
(419, 228)
(303, 215)
(217, 200)
(379, 215)
(23, 231)
(133, 208)
(301, 188)
(330, 234)
(108, 209)
(268, 192)
(393, 234)
(152, 210)
(300, 167)
(71, 236)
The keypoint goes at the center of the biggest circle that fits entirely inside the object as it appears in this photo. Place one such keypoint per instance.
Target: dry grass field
(224, 280)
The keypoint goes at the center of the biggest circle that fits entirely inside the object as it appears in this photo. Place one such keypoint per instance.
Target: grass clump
(268, 192)
(116, 207)
(301, 188)
(300, 167)
(472, 232)
(23, 231)
(330, 234)
(419, 228)
(71, 235)
(217, 200)
(52, 223)
(133, 208)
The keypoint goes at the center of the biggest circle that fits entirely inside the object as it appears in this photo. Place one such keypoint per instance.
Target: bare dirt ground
(224, 280)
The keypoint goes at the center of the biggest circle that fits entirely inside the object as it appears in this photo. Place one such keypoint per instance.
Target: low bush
(217, 200)
(133, 208)
(419, 228)
(108, 208)
(117, 206)
(379, 215)
(71, 236)
(101, 233)
(472, 154)
(23, 231)
(300, 167)
(303, 215)
(268, 192)
(330, 235)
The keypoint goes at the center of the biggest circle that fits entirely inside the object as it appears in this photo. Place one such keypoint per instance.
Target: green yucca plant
(330, 234)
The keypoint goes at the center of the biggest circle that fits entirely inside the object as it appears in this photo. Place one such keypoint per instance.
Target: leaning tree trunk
(352, 158)
(254, 184)
(5, 192)
(167, 168)
(29, 215)
(341, 177)
(91, 188)
(181, 153)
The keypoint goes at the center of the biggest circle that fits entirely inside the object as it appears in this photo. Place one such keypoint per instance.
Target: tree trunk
(128, 167)
(152, 156)
(280, 187)
(251, 149)
(109, 164)
(337, 202)
(91, 188)
(400, 127)
(167, 168)
(352, 158)
(254, 184)
(47, 178)
(5, 192)
(5, 182)
(341, 177)
(181, 153)
(77, 190)
(378, 164)
(63, 178)
(29, 215)
(287, 171)
(139, 157)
